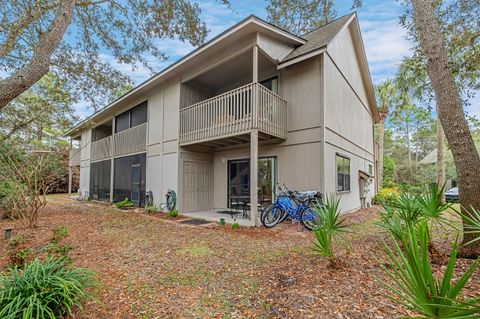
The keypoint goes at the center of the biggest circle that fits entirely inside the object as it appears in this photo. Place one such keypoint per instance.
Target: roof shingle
(319, 37)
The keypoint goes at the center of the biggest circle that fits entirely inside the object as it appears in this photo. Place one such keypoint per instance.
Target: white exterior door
(197, 186)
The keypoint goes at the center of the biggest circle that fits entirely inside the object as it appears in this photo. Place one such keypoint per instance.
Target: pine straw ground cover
(154, 268)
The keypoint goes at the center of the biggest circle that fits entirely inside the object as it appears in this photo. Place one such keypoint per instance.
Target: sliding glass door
(238, 182)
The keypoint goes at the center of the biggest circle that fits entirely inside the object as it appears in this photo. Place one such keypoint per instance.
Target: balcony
(130, 141)
(101, 149)
(236, 112)
(74, 158)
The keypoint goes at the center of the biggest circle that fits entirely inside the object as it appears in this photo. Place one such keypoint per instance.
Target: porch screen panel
(129, 179)
(140, 160)
(122, 178)
(100, 180)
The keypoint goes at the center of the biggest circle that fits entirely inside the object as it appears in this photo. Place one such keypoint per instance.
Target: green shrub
(151, 208)
(392, 223)
(18, 251)
(235, 226)
(173, 213)
(414, 285)
(386, 195)
(408, 210)
(330, 230)
(471, 220)
(48, 289)
(124, 204)
(59, 233)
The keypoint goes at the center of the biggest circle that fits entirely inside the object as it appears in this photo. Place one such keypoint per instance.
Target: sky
(384, 39)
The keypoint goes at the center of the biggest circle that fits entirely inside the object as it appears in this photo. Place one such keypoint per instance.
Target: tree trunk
(450, 111)
(39, 65)
(381, 142)
(440, 157)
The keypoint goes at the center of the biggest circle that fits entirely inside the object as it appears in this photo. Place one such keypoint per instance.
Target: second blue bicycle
(298, 206)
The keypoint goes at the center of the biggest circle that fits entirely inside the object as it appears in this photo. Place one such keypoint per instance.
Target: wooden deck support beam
(254, 177)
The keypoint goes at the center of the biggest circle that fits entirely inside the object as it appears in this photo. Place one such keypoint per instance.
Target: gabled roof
(310, 44)
(252, 22)
(320, 37)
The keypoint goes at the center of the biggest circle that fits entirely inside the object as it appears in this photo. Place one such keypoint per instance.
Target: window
(271, 84)
(343, 173)
(122, 122)
(370, 169)
(133, 117)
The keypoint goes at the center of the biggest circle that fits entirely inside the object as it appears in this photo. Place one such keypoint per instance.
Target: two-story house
(253, 107)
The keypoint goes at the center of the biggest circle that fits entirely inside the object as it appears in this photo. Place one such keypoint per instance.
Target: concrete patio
(214, 215)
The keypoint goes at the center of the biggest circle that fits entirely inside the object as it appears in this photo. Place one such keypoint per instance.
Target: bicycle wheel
(310, 219)
(271, 216)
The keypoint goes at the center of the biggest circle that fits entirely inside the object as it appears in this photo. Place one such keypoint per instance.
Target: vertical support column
(70, 176)
(255, 64)
(255, 88)
(254, 176)
(70, 168)
(112, 166)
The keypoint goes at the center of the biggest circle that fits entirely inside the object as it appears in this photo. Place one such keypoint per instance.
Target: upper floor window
(135, 116)
(343, 173)
(271, 84)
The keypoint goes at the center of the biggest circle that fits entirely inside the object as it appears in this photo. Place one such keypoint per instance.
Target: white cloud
(383, 37)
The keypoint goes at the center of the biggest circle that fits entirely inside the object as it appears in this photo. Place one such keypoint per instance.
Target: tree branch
(39, 65)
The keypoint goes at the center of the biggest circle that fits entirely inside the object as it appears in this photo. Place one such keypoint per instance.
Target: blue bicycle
(296, 205)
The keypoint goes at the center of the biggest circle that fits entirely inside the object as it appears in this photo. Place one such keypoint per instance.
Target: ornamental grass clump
(329, 230)
(48, 289)
(416, 288)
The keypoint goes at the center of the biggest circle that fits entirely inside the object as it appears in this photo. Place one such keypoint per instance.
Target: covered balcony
(129, 141)
(236, 112)
(223, 105)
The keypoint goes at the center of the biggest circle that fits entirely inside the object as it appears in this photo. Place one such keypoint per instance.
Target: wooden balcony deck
(236, 112)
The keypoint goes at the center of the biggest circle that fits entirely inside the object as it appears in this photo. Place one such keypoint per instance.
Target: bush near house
(173, 213)
(124, 204)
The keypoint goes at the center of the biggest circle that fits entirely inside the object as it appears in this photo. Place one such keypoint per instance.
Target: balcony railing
(133, 140)
(74, 157)
(101, 149)
(236, 112)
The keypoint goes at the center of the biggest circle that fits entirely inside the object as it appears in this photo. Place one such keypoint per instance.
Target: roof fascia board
(188, 57)
(274, 29)
(301, 58)
(354, 15)
(371, 90)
